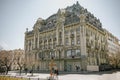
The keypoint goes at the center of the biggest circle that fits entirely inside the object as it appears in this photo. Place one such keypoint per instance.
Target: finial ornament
(26, 29)
(77, 2)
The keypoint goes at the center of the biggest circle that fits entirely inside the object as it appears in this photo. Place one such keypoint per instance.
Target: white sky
(17, 15)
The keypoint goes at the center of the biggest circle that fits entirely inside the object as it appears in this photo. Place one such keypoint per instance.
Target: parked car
(105, 67)
(2, 69)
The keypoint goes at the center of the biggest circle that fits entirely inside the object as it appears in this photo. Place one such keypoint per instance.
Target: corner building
(72, 37)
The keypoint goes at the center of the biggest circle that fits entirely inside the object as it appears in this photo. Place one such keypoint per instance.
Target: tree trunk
(32, 73)
(26, 71)
(20, 70)
(7, 70)
(32, 69)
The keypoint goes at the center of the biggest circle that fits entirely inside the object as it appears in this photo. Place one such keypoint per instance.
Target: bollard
(38, 78)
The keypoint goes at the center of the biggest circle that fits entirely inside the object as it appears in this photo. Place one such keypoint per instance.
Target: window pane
(68, 53)
(78, 52)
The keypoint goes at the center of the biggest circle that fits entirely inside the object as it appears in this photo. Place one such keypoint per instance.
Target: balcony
(72, 57)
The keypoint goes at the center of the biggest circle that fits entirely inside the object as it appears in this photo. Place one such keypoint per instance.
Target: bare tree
(114, 60)
(25, 68)
(6, 59)
(20, 63)
(8, 64)
(32, 60)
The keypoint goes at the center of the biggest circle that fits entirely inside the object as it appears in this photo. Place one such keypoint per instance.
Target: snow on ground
(78, 77)
(113, 76)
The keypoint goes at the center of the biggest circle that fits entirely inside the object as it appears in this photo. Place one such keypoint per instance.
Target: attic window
(49, 24)
(54, 21)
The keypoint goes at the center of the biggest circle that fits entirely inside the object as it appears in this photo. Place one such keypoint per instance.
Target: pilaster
(75, 37)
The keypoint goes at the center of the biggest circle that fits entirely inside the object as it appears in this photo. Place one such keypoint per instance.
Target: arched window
(52, 54)
(40, 55)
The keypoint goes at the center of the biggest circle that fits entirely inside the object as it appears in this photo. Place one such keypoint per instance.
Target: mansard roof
(72, 15)
(49, 22)
(70, 18)
(52, 17)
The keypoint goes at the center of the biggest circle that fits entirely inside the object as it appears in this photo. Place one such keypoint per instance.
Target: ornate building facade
(113, 47)
(112, 43)
(72, 37)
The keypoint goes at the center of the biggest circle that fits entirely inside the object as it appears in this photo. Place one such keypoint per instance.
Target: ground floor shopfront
(67, 65)
(69, 60)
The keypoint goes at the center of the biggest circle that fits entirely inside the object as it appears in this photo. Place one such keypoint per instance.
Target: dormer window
(54, 21)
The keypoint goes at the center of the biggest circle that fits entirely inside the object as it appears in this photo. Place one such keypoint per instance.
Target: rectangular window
(66, 33)
(78, 53)
(66, 41)
(78, 30)
(54, 45)
(78, 40)
(72, 42)
(69, 53)
(73, 52)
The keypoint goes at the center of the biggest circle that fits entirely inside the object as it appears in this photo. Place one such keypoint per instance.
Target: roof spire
(26, 29)
(77, 3)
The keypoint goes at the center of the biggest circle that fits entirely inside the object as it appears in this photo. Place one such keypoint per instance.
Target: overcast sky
(17, 15)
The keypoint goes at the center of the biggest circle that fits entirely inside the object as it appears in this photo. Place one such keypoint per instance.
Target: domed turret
(38, 23)
(39, 20)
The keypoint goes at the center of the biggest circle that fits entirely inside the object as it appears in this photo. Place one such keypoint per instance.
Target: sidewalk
(90, 76)
(36, 76)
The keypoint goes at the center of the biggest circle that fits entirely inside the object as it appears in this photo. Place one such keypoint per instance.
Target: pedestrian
(76, 68)
(26, 70)
(52, 73)
(56, 72)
